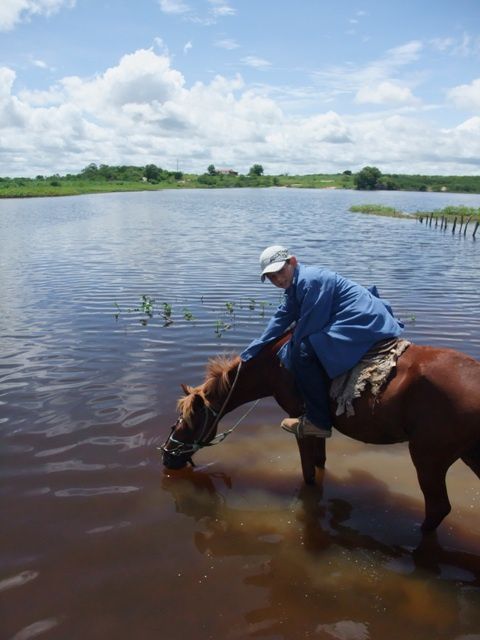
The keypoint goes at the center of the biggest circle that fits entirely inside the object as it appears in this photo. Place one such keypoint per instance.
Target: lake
(98, 541)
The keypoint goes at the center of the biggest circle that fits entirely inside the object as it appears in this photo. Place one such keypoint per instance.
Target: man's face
(283, 278)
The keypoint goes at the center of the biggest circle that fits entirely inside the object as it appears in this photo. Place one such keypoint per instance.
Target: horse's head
(195, 428)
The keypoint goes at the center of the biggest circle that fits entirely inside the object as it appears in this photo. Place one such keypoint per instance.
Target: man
(336, 321)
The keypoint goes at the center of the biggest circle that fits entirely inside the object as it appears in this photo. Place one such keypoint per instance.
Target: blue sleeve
(282, 319)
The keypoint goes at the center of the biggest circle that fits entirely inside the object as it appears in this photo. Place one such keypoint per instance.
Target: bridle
(189, 448)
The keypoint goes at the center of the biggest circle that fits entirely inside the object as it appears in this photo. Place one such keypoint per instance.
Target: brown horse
(431, 400)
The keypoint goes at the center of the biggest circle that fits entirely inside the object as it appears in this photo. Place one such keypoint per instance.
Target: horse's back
(442, 397)
(431, 390)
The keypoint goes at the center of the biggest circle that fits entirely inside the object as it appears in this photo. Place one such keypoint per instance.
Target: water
(98, 541)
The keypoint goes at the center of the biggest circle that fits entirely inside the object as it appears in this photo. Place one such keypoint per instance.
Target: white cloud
(466, 96)
(256, 63)
(141, 111)
(173, 6)
(40, 64)
(7, 78)
(222, 8)
(227, 43)
(15, 11)
(350, 78)
(187, 47)
(385, 92)
(404, 54)
(442, 44)
(464, 46)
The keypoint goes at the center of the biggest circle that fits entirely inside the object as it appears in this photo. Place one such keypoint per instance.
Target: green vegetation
(379, 210)
(105, 178)
(224, 319)
(371, 178)
(368, 179)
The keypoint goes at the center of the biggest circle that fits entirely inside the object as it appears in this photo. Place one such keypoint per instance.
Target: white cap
(273, 259)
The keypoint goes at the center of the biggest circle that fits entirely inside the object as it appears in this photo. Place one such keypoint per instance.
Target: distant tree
(347, 172)
(106, 171)
(386, 183)
(256, 170)
(152, 173)
(367, 178)
(90, 172)
(211, 170)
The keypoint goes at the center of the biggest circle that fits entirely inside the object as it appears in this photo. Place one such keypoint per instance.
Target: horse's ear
(186, 389)
(198, 402)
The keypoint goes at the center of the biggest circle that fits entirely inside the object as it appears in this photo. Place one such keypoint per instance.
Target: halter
(185, 448)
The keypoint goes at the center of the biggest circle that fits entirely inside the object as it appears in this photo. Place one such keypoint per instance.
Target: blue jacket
(341, 318)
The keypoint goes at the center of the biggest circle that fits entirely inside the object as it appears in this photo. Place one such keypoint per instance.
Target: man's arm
(282, 319)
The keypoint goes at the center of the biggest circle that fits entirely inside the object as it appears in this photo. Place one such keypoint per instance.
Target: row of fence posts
(444, 223)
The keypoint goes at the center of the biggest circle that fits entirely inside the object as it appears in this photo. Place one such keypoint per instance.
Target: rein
(183, 448)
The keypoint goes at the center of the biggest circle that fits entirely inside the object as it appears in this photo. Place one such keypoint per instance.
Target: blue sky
(304, 87)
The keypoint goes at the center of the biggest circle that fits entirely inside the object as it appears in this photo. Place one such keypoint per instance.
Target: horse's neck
(252, 384)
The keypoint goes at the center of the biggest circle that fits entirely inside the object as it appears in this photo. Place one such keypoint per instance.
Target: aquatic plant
(147, 305)
(167, 314)
(221, 327)
(187, 314)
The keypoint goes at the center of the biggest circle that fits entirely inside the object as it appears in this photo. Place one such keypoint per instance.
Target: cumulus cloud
(15, 11)
(141, 111)
(385, 92)
(466, 96)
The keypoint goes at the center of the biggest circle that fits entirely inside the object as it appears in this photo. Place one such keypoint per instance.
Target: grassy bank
(461, 213)
(73, 185)
(379, 210)
(65, 187)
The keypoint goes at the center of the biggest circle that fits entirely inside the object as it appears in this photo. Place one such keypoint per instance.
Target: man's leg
(313, 383)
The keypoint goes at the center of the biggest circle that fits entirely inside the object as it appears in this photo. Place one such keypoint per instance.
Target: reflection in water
(96, 543)
(314, 566)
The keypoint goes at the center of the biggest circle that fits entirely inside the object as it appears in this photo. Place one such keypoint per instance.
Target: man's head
(278, 265)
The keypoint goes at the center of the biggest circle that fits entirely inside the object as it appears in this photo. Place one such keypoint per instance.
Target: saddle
(373, 369)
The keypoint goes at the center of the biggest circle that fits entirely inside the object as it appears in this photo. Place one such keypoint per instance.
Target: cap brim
(272, 268)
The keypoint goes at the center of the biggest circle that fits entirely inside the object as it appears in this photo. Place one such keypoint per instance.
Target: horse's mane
(216, 384)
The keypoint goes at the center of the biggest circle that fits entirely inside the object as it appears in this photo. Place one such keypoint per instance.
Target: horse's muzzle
(174, 462)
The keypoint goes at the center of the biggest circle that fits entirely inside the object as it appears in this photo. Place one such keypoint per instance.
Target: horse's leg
(311, 449)
(431, 471)
(312, 456)
(472, 459)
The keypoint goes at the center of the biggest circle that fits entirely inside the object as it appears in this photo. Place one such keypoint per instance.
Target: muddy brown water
(98, 541)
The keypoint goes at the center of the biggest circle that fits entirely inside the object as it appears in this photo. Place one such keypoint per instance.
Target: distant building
(227, 172)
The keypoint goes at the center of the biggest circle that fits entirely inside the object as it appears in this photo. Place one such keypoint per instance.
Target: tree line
(368, 179)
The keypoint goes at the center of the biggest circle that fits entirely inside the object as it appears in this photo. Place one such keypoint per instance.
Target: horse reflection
(317, 566)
